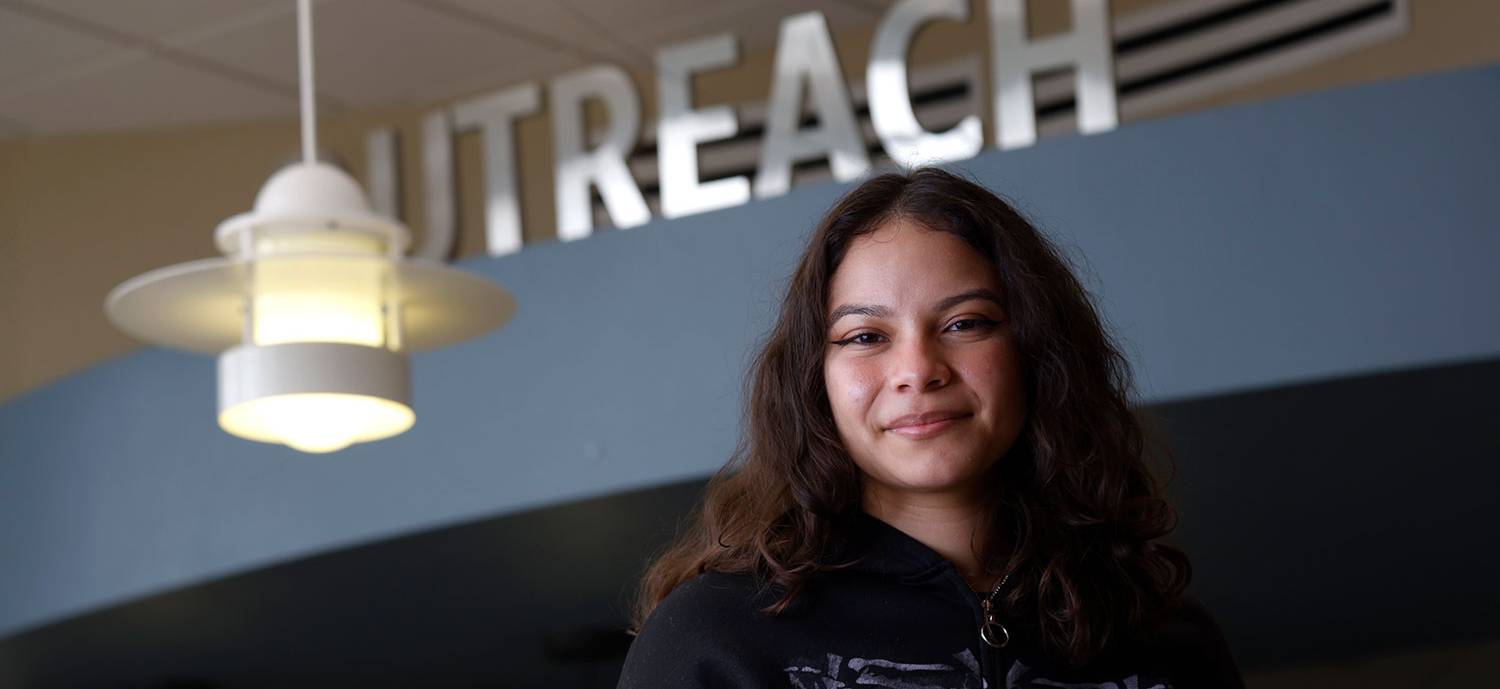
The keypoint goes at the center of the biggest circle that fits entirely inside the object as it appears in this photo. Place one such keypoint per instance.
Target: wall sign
(805, 67)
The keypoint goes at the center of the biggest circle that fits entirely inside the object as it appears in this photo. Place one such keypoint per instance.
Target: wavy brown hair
(1075, 512)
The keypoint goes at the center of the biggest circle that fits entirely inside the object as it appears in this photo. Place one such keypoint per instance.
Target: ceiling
(91, 65)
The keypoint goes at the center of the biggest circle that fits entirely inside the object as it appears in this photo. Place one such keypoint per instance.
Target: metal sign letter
(495, 115)
(680, 129)
(890, 100)
(804, 52)
(1087, 47)
(605, 165)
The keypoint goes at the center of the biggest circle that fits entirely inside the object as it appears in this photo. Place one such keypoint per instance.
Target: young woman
(941, 481)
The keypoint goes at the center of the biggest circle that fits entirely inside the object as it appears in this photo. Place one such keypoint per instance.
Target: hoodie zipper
(991, 630)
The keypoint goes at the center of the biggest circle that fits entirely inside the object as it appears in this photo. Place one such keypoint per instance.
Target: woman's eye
(860, 338)
(971, 323)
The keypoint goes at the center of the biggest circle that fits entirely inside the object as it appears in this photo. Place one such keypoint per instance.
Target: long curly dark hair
(1075, 512)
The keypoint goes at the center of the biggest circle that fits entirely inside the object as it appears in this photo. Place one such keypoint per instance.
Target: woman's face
(921, 371)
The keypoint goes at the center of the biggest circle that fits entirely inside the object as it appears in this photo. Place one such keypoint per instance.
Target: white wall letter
(890, 100)
(439, 220)
(381, 155)
(804, 52)
(1088, 47)
(605, 165)
(680, 129)
(495, 115)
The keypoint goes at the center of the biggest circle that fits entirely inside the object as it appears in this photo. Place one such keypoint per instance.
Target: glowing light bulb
(317, 422)
(319, 287)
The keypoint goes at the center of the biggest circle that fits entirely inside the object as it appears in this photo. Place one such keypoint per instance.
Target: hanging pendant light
(313, 308)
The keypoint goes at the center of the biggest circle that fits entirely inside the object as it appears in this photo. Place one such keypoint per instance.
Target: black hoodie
(901, 618)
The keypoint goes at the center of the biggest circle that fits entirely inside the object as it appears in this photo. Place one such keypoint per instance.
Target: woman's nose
(918, 364)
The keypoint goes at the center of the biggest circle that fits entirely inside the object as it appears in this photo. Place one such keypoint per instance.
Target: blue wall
(1329, 235)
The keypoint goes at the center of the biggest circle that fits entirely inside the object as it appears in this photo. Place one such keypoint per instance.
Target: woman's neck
(953, 527)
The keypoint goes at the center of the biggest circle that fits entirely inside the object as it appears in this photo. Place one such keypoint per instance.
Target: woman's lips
(926, 430)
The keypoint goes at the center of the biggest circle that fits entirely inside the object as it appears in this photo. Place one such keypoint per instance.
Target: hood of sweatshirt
(884, 549)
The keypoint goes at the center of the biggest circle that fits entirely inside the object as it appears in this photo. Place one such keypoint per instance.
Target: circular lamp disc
(197, 305)
(314, 396)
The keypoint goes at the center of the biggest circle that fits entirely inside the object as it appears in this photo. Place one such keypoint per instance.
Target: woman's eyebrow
(981, 293)
(871, 310)
(877, 311)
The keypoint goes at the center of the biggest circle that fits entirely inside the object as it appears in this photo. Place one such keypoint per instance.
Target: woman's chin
(935, 475)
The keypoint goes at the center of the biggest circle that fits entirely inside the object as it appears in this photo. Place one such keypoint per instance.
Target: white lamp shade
(197, 305)
(314, 309)
(314, 396)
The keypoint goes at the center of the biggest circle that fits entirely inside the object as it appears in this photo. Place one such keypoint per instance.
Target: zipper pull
(992, 631)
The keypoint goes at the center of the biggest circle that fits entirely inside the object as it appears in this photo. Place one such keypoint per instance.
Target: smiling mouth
(927, 430)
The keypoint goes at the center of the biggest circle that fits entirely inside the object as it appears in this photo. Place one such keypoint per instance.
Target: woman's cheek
(991, 366)
(852, 387)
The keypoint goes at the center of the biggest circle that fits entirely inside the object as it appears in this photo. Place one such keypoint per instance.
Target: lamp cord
(305, 62)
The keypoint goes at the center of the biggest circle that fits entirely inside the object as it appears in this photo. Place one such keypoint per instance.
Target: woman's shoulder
(718, 606)
(714, 595)
(683, 642)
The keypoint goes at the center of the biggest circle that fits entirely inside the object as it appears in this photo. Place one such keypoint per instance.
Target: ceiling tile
(166, 20)
(146, 92)
(553, 20)
(30, 49)
(643, 15)
(58, 75)
(653, 24)
(383, 52)
(647, 24)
